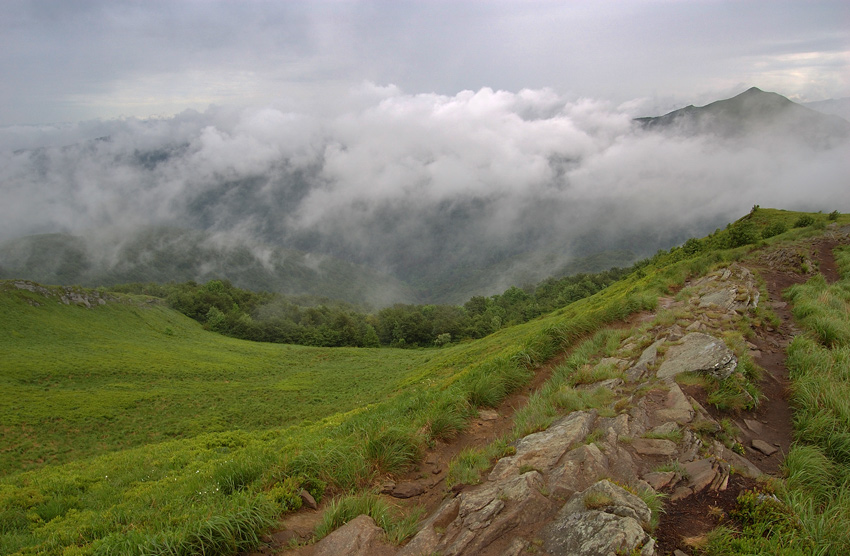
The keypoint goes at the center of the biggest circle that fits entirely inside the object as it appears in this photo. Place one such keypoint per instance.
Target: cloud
(417, 185)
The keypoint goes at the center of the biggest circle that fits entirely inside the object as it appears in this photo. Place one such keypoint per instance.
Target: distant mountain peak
(752, 112)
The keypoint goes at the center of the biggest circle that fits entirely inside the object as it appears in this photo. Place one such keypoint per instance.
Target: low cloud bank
(410, 184)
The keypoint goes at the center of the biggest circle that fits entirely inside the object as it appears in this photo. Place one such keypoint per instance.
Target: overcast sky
(65, 61)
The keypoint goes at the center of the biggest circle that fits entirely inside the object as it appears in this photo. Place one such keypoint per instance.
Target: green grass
(78, 382)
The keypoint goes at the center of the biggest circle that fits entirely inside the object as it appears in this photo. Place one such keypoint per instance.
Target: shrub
(804, 221)
(774, 229)
(833, 216)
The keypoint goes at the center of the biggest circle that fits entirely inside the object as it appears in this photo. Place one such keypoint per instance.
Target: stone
(723, 298)
(610, 384)
(680, 493)
(763, 447)
(670, 427)
(516, 547)
(542, 450)
(487, 415)
(580, 468)
(487, 513)
(678, 552)
(700, 474)
(308, 500)
(654, 447)
(407, 490)
(700, 353)
(614, 524)
(754, 426)
(359, 537)
(660, 479)
(740, 464)
(676, 407)
(430, 533)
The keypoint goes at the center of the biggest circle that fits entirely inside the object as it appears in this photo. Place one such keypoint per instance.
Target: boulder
(700, 353)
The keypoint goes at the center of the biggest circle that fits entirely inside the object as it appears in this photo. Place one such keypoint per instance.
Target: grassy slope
(80, 381)
(215, 492)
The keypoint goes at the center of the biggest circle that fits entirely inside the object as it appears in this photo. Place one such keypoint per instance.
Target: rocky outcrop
(66, 295)
(562, 489)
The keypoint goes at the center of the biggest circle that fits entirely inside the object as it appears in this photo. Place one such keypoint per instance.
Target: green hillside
(128, 429)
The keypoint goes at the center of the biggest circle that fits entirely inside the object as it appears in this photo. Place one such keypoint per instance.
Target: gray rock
(487, 415)
(622, 502)
(542, 450)
(647, 358)
(407, 490)
(701, 473)
(739, 463)
(358, 537)
(614, 524)
(764, 447)
(754, 426)
(580, 468)
(701, 353)
(431, 532)
(669, 427)
(654, 447)
(660, 479)
(487, 513)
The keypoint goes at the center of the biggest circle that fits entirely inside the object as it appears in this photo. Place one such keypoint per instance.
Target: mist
(417, 186)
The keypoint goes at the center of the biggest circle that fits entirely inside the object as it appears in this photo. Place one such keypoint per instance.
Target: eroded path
(667, 422)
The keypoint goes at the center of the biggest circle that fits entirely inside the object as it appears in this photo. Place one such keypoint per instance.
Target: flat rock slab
(654, 447)
(764, 447)
(407, 490)
(659, 479)
(700, 353)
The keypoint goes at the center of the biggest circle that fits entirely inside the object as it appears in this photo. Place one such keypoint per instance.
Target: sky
(105, 59)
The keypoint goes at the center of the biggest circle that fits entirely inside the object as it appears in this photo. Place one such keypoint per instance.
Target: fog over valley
(429, 189)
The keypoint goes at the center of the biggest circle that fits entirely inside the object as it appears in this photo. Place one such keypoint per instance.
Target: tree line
(307, 320)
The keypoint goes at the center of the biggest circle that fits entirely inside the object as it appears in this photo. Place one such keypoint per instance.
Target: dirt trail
(686, 520)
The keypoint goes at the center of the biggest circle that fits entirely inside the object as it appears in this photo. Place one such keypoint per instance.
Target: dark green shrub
(833, 216)
(774, 229)
(804, 221)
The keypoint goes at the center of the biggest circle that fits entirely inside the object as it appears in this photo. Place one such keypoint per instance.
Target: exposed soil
(686, 521)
